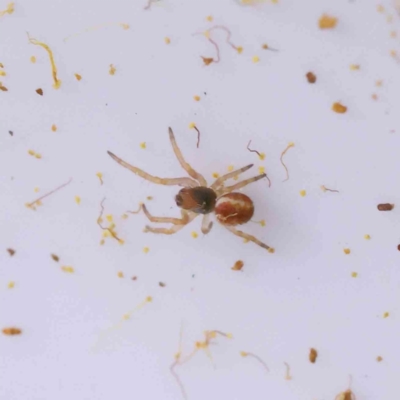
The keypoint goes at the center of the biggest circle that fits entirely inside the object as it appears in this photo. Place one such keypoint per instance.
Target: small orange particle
(146, 250)
(78, 77)
(207, 61)
(313, 355)
(196, 98)
(167, 40)
(303, 193)
(311, 77)
(11, 252)
(379, 358)
(271, 250)
(53, 127)
(33, 59)
(346, 251)
(209, 18)
(238, 265)
(12, 331)
(327, 22)
(39, 91)
(339, 108)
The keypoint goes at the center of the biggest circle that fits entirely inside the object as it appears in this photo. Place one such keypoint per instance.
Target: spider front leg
(185, 182)
(167, 220)
(186, 166)
(242, 184)
(174, 229)
(219, 181)
(251, 238)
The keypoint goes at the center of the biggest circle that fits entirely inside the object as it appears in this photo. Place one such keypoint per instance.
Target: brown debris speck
(207, 60)
(311, 77)
(385, 207)
(379, 358)
(12, 331)
(55, 257)
(161, 284)
(134, 278)
(11, 252)
(238, 265)
(78, 77)
(39, 91)
(313, 355)
(3, 88)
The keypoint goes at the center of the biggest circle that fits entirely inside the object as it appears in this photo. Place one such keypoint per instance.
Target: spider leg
(206, 224)
(173, 229)
(185, 182)
(167, 220)
(194, 174)
(242, 184)
(247, 237)
(218, 182)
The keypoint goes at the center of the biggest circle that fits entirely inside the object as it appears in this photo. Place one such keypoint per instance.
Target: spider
(197, 198)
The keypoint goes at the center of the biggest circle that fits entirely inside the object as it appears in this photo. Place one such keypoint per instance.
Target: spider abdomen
(234, 209)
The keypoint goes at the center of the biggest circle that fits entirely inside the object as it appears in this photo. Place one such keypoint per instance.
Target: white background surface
(280, 304)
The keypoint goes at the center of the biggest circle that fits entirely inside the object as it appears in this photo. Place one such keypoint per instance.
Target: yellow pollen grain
(149, 299)
(271, 250)
(146, 250)
(215, 175)
(209, 18)
(167, 40)
(121, 241)
(303, 193)
(3, 73)
(385, 314)
(367, 237)
(124, 216)
(239, 49)
(196, 98)
(112, 70)
(33, 59)
(354, 274)
(109, 218)
(102, 241)
(244, 354)
(143, 145)
(149, 197)
(246, 240)
(106, 233)
(120, 274)
(192, 125)
(262, 156)
(255, 59)
(346, 251)
(380, 8)
(230, 168)
(11, 285)
(53, 127)
(261, 170)
(69, 270)
(262, 222)
(36, 189)
(38, 156)
(194, 235)
(77, 200)
(31, 152)
(354, 67)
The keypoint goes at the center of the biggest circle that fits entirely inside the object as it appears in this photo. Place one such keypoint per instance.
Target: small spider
(231, 208)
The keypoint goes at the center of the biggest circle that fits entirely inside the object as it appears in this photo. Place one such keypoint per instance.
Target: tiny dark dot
(398, 247)
(11, 133)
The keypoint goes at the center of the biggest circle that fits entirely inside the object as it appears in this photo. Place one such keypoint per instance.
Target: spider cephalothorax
(231, 208)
